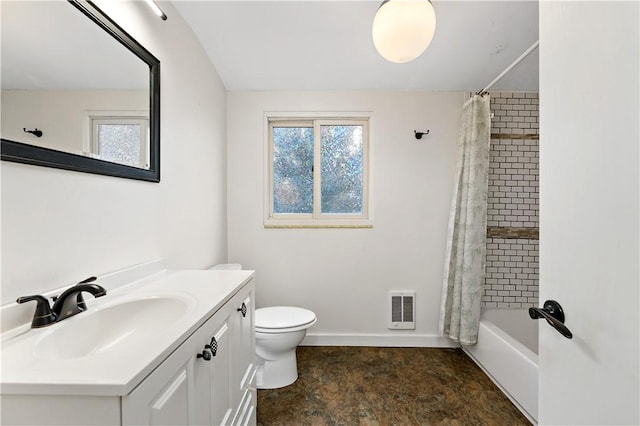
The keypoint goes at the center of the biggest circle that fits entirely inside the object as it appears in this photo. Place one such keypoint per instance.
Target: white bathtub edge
(509, 364)
(497, 383)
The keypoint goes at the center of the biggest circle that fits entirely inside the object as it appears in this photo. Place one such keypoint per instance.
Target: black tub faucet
(69, 303)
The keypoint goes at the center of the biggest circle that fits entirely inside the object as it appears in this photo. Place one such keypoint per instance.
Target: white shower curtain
(466, 237)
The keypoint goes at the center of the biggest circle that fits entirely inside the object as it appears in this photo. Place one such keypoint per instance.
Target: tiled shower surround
(511, 274)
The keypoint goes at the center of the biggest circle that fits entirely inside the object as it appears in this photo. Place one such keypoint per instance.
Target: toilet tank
(226, 267)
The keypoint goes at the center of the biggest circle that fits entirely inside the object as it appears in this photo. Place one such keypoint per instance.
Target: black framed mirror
(90, 103)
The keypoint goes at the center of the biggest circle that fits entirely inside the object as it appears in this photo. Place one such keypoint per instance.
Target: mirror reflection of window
(117, 136)
(120, 140)
(56, 64)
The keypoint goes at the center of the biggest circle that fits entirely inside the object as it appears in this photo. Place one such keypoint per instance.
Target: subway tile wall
(513, 183)
(511, 274)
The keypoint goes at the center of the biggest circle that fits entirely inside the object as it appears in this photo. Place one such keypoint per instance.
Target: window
(318, 173)
(118, 137)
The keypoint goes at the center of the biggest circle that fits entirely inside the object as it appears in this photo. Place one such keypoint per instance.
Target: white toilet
(279, 330)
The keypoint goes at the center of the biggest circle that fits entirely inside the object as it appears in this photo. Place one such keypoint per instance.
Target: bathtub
(507, 350)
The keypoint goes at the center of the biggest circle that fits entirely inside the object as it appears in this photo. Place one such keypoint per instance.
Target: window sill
(318, 224)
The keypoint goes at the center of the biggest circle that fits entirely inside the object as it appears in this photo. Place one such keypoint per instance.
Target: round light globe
(403, 29)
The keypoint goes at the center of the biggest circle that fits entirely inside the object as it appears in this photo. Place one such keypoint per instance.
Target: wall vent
(402, 310)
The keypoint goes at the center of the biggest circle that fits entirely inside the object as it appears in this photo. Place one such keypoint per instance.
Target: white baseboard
(380, 340)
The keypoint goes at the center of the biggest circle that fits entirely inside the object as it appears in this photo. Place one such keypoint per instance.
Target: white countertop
(117, 372)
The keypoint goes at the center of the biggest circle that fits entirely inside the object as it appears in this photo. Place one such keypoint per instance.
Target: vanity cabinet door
(246, 342)
(170, 406)
(243, 362)
(178, 392)
(219, 378)
(233, 393)
(166, 397)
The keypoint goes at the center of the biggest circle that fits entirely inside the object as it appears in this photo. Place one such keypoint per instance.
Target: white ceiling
(327, 45)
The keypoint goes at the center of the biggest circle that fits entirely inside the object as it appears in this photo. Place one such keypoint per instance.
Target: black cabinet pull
(213, 346)
(243, 309)
(206, 355)
(553, 313)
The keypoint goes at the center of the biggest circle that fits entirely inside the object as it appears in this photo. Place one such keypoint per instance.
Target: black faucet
(69, 303)
(81, 304)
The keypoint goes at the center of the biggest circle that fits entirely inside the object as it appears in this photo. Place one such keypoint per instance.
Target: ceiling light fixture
(156, 9)
(403, 29)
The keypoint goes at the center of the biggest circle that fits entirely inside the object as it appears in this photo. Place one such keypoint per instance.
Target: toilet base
(278, 373)
(279, 330)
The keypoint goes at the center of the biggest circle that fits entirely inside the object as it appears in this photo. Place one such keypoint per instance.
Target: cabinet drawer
(246, 410)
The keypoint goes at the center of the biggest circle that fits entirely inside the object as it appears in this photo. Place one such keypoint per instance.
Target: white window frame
(317, 219)
(90, 143)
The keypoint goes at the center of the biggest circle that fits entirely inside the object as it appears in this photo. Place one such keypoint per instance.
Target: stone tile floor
(387, 386)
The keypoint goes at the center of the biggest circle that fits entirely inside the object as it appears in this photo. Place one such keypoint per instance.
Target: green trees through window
(319, 167)
(292, 169)
(341, 177)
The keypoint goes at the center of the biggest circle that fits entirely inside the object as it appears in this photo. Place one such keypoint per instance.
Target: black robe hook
(419, 135)
(37, 133)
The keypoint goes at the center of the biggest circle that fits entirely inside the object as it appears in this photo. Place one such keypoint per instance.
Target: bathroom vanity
(175, 347)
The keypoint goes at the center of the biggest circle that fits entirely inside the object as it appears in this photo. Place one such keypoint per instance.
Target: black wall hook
(37, 133)
(419, 135)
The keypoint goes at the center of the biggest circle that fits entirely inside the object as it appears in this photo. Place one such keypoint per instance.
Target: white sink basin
(105, 329)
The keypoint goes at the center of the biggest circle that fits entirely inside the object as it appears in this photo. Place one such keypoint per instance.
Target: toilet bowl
(279, 330)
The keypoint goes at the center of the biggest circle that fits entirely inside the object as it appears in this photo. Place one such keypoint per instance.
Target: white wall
(59, 227)
(344, 275)
(62, 127)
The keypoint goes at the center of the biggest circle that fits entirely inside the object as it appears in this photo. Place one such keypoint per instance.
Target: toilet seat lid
(280, 317)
